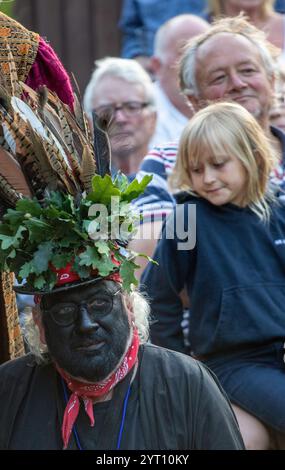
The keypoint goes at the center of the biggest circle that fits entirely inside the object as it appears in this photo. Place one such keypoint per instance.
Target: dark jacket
(175, 403)
(235, 278)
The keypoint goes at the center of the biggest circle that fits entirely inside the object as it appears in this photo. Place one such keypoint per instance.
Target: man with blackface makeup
(93, 382)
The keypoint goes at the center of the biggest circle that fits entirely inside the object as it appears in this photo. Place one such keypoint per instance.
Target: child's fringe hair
(228, 128)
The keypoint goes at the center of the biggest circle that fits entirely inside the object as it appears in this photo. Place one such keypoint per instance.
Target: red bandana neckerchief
(88, 391)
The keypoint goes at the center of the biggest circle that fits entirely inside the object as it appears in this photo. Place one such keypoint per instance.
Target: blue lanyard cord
(74, 430)
(123, 417)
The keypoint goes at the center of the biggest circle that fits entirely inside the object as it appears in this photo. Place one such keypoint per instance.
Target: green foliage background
(7, 7)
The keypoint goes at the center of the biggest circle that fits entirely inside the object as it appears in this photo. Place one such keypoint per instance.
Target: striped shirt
(157, 201)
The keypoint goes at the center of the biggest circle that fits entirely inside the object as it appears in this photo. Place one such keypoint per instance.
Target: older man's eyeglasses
(65, 314)
(129, 108)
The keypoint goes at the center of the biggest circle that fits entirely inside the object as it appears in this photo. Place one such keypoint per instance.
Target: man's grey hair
(126, 69)
(236, 25)
(136, 302)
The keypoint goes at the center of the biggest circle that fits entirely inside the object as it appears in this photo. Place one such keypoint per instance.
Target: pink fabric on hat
(48, 70)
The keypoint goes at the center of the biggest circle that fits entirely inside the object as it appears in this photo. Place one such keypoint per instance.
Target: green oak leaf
(82, 271)
(127, 270)
(42, 257)
(26, 270)
(13, 217)
(103, 189)
(39, 282)
(38, 230)
(12, 240)
(89, 257)
(136, 188)
(52, 212)
(102, 247)
(59, 260)
(105, 266)
(29, 206)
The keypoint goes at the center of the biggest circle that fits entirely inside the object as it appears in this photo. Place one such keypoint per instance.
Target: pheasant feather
(101, 145)
(88, 169)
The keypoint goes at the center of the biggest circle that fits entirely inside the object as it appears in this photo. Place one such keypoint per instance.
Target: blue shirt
(141, 18)
(280, 6)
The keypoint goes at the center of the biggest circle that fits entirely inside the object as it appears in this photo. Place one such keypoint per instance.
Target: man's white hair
(136, 302)
(127, 69)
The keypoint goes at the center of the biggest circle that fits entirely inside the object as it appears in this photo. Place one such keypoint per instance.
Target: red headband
(66, 275)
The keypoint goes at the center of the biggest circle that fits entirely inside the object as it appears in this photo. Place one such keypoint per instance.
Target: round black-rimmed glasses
(66, 313)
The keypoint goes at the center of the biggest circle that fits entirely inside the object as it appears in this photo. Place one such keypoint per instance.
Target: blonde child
(235, 274)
